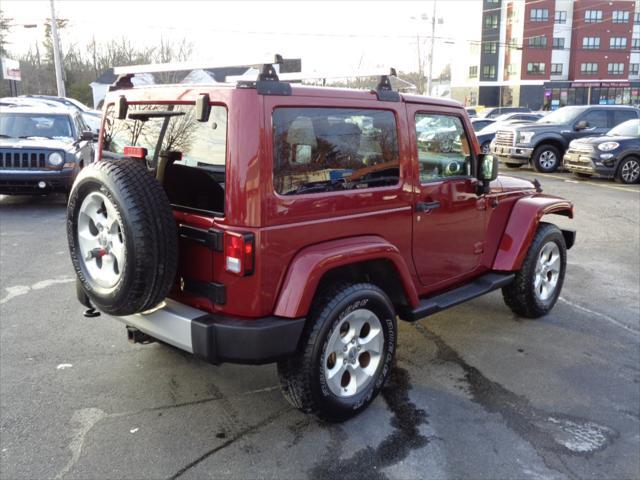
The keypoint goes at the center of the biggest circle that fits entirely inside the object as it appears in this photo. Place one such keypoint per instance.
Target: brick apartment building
(548, 53)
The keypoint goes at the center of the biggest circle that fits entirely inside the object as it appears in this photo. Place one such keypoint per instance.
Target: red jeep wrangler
(266, 221)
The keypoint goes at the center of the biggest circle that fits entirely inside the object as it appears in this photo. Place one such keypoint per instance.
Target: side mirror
(88, 136)
(581, 125)
(203, 108)
(487, 171)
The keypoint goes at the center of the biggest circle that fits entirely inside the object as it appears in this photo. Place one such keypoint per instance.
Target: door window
(595, 119)
(443, 147)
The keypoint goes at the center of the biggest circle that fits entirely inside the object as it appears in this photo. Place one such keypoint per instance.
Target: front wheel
(345, 354)
(538, 283)
(629, 171)
(486, 148)
(546, 159)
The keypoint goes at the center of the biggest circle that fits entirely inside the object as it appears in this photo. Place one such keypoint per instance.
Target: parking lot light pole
(56, 52)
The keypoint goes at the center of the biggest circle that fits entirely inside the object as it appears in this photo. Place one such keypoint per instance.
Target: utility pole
(433, 37)
(56, 52)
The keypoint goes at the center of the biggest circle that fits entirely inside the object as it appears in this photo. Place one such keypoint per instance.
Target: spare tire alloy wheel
(101, 240)
(122, 237)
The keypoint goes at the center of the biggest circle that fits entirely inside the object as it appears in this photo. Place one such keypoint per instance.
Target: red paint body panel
(308, 267)
(523, 221)
(300, 238)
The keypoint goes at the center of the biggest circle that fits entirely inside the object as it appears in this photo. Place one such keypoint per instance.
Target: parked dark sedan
(614, 155)
(42, 149)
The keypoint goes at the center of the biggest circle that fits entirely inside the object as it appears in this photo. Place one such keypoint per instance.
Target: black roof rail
(384, 91)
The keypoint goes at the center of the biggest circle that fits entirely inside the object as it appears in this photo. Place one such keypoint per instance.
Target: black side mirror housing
(88, 136)
(487, 170)
(581, 125)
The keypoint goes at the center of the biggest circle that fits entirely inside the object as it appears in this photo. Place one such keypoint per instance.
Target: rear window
(332, 149)
(189, 156)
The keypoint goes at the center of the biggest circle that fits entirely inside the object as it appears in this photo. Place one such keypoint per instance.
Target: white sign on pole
(10, 69)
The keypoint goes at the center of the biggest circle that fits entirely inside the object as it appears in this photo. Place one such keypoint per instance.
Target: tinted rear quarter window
(333, 149)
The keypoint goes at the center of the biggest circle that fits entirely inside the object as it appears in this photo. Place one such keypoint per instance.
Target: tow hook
(136, 336)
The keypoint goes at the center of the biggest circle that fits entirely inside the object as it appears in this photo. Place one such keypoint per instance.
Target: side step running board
(437, 303)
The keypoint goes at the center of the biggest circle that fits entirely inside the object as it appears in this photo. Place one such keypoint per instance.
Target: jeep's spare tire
(122, 236)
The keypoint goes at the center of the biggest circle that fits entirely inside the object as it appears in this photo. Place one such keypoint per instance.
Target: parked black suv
(614, 155)
(544, 142)
(42, 149)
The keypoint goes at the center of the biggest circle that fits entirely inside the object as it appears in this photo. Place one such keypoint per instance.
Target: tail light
(135, 152)
(239, 253)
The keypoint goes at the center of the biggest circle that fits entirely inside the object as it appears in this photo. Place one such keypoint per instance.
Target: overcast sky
(328, 35)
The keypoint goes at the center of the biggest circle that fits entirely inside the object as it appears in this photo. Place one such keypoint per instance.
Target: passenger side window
(443, 147)
(620, 116)
(330, 149)
(595, 119)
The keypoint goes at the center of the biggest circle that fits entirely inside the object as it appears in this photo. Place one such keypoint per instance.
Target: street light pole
(433, 37)
(56, 52)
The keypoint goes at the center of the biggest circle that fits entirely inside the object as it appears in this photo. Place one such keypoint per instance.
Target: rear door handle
(427, 206)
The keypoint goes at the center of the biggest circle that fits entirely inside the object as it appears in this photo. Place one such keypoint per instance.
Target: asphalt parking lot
(477, 393)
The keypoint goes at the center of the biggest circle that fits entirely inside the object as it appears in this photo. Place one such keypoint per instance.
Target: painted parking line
(586, 182)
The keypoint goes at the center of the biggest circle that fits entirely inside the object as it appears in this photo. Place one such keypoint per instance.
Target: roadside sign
(10, 69)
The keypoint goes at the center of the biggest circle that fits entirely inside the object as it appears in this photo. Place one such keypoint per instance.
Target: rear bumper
(217, 338)
(25, 182)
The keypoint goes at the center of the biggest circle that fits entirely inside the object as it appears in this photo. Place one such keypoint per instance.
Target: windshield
(562, 115)
(630, 128)
(35, 125)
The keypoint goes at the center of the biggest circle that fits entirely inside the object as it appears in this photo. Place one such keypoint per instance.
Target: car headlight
(525, 137)
(608, 146)
(55, 159)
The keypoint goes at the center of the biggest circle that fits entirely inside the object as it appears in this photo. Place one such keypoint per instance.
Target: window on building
(588, 68)
(591, 43)
(473, 71)
(489, 72)
(539, 14)
(493, 1)
(620, 16)
(556, 69)
(558, 43)
(489, 47)
(618, 42)
(634, 69)
(491, 21)
(512, 68)
(636, 18)
(615, 68)
(329, 149)
(539, 41)
(561, 17)
(592, 16)
(635, 44)
(535, 68)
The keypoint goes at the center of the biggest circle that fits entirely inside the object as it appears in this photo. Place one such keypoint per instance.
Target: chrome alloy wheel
(101, 240)
(547, 271)
(353, 353)
(630, 171)
(547, 159)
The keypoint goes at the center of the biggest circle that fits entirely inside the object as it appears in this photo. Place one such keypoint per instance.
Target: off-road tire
(635, 161)
(301, 376)
(538, 155)
(149, 231)
(520, 296)
(513, 165)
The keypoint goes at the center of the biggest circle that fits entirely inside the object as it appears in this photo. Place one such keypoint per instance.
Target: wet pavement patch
(368, 462)
(551, 434)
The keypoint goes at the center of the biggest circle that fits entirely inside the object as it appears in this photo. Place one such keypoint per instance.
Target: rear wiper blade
(144, 116)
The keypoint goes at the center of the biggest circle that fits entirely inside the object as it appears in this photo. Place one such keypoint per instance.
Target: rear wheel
(546, 158)
(538, 283)
(122, 237)
(629, 171)
(345, 354)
